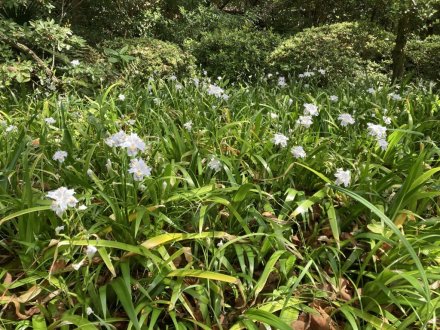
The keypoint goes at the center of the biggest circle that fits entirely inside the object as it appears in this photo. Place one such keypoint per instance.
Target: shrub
(344, 50)
(147, 56)
(423, 57)
(234, 53)
(195, 24)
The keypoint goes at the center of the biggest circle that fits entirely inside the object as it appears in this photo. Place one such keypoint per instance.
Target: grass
(263, 239)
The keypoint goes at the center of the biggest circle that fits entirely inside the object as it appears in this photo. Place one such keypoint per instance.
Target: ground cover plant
(203, 204)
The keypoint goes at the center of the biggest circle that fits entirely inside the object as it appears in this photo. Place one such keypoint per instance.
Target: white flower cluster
(343, 177)
(282, 81)
(346, 119)
(217, 91)
(379, 133)
(280, 140)
(298, 152)
(132, 143)
(395, 97)
(214, 164)
(188, 125)
(62, 199)
(139, 169)
(309, 110)
(306, 74)
(60, 156)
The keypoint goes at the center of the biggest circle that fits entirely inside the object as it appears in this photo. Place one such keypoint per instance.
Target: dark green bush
(195, 24)
(234, 53)
(423, 57)
(344, 50)
(139, 58)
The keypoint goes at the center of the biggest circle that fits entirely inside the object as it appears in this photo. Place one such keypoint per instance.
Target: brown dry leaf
(302, 323)
(8, 280)
(36, 142)
(57, 265)
(29, 294)
(321, 320)
(188, 254)
(299, 325)
(344, 289)
(400, 220)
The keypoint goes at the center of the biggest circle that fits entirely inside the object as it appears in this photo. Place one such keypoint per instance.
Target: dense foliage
(219, 164)
(344, 50)
(243, 211)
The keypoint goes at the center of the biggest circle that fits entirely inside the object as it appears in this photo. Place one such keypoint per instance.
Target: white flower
(78, 265)
(133, 144)
(322, 71)
(290, 102)
(62, 199)
(220, 244)
(196, 82)
(378, 131)
(108, 165)
(386, 120)
(305, 121)
(308, 74)
(343, 177)
(371, 90)
(58, 229)
(139, 169)
(131, 122)
(395, 97)
(298, 152)
(11, 128)
(90, 251)
(301, 75)
(280, 140)
(282, 81)
(116, 140)
(310, 109)
(215, 90)
(383, 144)
(179, 86)
(269, 75)
(89, 172)
(188, 125)
(173, 77)
(273, 115)
(89, 311)
(225, 97)
(50, 121)
(82, 208)
(346, 119)
(214, 164)
(334, 98)
(121, 97)
(75, 62)
(60, 156)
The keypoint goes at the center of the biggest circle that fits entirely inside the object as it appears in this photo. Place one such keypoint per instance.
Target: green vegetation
(230, 164)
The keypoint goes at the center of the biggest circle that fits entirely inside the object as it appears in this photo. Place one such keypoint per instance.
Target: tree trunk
(399, 48)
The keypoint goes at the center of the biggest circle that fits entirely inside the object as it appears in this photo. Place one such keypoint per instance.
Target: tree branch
(25, 49)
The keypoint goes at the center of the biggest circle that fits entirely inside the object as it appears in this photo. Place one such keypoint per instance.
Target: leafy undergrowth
(195, 206)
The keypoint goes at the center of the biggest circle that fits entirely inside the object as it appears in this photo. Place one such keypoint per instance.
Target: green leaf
(124, 297)
(22, 212)
(267, 318)
(175, 237)
(266, 272)
(203, 274)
